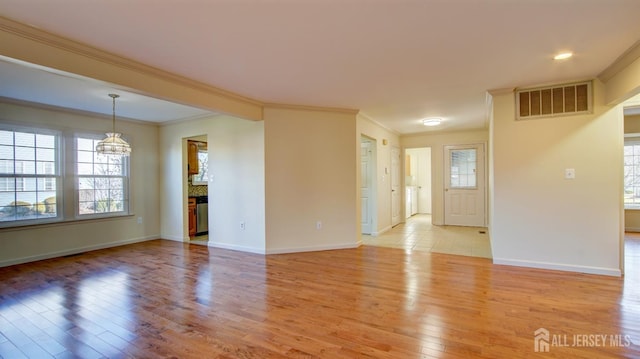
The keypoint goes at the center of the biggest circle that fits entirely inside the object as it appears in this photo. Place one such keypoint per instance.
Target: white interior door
(366, 188)
(395, 186)
(464, 186)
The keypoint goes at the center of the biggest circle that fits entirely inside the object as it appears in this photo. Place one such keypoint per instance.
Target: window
(29, 175)
(463, 169)
(632, 174)
(201, 178)
(48, 175)
(102, 180)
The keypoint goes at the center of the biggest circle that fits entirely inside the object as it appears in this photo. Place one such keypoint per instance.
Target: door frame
(485, 179)
(397, 173)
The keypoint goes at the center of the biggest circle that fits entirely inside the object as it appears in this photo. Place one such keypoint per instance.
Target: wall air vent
(567, 99)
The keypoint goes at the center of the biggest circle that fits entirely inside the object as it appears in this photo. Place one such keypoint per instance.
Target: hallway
(418, 234)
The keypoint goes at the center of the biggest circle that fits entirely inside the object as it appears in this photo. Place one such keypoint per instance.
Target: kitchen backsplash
(195, 191)
(198, 191)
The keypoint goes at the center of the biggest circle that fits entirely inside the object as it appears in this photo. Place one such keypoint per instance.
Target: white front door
(366, 175)
(395, 186)
(464, 196)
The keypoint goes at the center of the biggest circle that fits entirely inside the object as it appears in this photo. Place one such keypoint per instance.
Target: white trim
(632, 229)
(312, 248)
(615, 272)
(377, 233)
(175, 238)
(234, 247)
(67, 252)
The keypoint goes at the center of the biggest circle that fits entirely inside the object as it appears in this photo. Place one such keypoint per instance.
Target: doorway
(197, 183)
(396, 195)
(368, 192)
(629, 248)
(418, 181)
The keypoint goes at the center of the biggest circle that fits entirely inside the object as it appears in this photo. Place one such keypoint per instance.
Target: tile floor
(420, 235)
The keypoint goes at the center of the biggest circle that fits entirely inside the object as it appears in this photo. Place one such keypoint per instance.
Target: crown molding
(623, 61)
(310, 108)
(74, 47)
(72, 111)
(39, 41)
(371, 120)
(502, 91)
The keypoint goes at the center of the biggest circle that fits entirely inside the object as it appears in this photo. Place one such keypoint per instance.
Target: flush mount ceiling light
(432, 121)
(113, 144)
(563, 56)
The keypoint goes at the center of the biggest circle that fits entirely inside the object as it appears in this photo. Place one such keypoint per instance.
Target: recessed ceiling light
(563, 56)
(432, 121)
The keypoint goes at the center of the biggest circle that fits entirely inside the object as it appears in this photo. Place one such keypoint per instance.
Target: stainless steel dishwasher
(202, 215)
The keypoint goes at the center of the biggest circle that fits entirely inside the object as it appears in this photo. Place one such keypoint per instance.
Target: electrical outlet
(243, 226)
(319, 225)
(139, 220)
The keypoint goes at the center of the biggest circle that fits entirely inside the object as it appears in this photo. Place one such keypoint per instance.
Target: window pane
(632, 176)
(6, 152)
(25, 153)
(6, 166)
(85, 157)
(6, 138)
(85, 169)
(463, 168)
(85, 144)
(25, 139)
(6, 198)
(86, 208)
(45, 154)
(45, 141)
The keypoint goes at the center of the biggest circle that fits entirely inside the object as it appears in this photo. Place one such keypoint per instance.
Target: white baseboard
(175, 238)
(234, 247)
(312, 248)
(614, 272)
(76, 250)
(375, 234)
(632, 229)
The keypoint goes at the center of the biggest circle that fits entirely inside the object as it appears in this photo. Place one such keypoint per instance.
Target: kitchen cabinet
(192, 217)
(192, 158)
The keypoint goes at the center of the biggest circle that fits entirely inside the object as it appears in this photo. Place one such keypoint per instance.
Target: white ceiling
(398, 61)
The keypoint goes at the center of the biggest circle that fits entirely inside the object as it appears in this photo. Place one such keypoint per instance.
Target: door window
(463, 169)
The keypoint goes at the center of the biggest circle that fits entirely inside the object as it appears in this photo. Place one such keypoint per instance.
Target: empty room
(319, 179)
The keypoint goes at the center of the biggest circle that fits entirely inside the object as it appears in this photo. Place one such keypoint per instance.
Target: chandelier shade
(113, 144)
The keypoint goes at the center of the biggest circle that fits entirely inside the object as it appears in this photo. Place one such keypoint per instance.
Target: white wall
(540, 219)
(437, 141)
(311, 163)
(236, 185)
(18, 245)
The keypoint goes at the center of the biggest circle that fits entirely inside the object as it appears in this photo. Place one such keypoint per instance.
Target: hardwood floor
(172, 300)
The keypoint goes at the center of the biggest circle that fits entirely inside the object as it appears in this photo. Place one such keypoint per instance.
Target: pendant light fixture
(113, 144)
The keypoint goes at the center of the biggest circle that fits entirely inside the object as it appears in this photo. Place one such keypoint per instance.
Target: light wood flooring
(163, 299)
